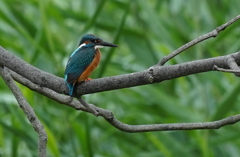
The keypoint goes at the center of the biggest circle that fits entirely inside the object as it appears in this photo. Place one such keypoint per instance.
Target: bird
(84, 60)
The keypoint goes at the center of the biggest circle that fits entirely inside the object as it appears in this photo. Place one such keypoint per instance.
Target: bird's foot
(88, 79)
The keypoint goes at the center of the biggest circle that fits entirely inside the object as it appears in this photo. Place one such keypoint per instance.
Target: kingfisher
(84, 60)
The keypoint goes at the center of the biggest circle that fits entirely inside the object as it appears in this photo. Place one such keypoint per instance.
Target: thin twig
(213, 33)
(116, 123)
(225, 70)
(174, 126)
(28, 110)
(88, 107)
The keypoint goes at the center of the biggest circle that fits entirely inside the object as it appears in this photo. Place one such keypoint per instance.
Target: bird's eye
(93, 40)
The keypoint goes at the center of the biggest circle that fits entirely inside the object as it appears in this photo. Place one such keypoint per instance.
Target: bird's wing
(78, 62)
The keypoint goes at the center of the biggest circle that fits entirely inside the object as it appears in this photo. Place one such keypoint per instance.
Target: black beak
(103, 43)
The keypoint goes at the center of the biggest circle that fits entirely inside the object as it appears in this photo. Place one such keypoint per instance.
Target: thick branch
(28, 110)
(154, 74)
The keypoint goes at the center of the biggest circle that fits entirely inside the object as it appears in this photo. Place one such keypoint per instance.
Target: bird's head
(94, 41)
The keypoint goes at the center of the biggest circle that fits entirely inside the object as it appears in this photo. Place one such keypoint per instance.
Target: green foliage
(45, 32)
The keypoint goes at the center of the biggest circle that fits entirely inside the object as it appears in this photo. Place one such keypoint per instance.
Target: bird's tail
(70, 86)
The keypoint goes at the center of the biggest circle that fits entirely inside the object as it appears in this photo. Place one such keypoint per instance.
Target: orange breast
(90, 68)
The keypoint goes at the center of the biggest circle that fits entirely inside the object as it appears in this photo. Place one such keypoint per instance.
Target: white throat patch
(98, 47)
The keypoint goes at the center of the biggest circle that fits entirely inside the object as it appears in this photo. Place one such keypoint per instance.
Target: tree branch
(88, 107)
(211, 34)
(175, 126)
(225, 70)
(154, 74)
(108, 115)
(28, 110)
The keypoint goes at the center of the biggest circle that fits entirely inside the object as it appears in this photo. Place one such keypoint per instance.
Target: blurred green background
(45, 32)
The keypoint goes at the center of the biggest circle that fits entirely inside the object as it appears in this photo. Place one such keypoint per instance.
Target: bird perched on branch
(84, 60)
